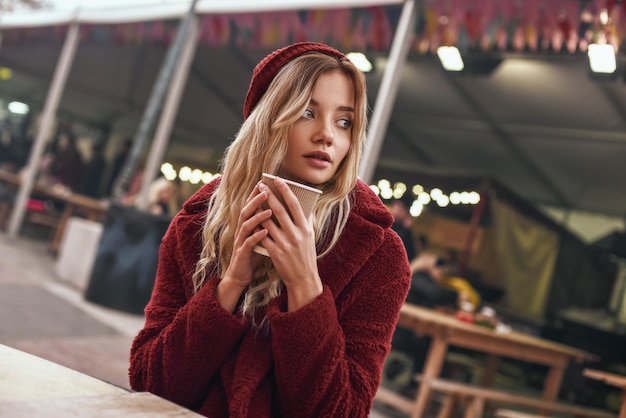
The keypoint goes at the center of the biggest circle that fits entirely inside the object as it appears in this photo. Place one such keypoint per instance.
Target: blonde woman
(304, 332)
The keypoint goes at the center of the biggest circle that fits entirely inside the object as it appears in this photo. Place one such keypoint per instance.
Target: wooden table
(31, 386)
(90, 208)
(446, 330)
(612, 379)
(73, 203)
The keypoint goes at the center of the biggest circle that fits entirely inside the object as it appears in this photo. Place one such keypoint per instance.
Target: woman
(303, 333)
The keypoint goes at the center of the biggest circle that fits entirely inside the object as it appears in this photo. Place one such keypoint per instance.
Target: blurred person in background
(432, 286)
(9, 161)
(160, 197)
(66, 163)
(94, 169)
(8, 158)
(117, 164)
(304, 332)
(129, 197)
(403, 222)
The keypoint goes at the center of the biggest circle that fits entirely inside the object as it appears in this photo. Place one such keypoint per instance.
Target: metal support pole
(49, 111)
(154, 104)
(387, 91)
(175, 92)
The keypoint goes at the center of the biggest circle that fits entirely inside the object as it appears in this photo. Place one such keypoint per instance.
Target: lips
(319, 155)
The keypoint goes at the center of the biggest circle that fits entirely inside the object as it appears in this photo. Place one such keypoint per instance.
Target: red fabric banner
(512, 25)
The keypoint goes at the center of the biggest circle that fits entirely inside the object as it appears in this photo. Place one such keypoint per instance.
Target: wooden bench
(477, 396)
(48, 218)
(507, 413)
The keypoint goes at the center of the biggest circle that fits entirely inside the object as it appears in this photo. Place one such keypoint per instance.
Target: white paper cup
(306, 195)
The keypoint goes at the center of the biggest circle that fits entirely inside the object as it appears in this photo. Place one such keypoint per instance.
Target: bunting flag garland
(504, 25)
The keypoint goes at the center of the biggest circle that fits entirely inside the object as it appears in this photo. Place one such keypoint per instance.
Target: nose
(325, 132)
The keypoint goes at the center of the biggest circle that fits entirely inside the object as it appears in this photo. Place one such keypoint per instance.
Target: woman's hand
(243, 260)
(291, 245)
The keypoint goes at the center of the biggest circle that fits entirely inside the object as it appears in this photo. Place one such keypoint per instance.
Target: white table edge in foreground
(32, 386)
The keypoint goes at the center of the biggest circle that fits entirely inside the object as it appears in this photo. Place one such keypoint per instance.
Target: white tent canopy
(105, 13)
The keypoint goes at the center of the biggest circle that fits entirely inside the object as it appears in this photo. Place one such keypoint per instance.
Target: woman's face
(319, 141)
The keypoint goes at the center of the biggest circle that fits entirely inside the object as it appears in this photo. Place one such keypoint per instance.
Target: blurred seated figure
(433, 286)
(64, 164)
(160, 196)
(94, 169)
(402, 223)
(119, 159)
(133, 185)
(464, 289)
(11, 162)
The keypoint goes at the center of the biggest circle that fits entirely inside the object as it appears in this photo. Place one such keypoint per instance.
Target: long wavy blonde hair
(260, 146)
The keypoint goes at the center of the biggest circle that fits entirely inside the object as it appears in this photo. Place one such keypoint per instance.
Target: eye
(308, 114)
(345, 123)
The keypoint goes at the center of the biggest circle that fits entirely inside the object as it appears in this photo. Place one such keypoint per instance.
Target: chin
(317, 180)
(306, 178)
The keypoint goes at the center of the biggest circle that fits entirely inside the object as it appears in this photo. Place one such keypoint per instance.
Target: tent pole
(388, 90)
(172, 101)
(49, 111)
(153, 107)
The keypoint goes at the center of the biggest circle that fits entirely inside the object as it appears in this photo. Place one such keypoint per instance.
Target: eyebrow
(342, 108)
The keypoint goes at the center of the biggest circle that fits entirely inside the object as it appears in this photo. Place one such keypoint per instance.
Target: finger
(291, 201)
(254, 223)
(254, 239)
(253, 203)
(278, 209)
(252, 207)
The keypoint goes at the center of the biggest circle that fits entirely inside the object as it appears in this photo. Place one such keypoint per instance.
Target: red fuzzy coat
(323, 360)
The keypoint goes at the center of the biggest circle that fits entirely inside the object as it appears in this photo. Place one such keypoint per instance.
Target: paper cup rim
(293, 183)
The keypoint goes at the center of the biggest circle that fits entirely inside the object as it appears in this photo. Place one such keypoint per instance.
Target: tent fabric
(579, 280)
(540, 266)
(527, 253)
(171, 10)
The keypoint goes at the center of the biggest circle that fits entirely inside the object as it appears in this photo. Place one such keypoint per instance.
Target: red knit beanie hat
(268, 67)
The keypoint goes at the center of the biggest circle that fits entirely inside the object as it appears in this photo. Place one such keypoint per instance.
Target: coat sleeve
(185, 339)
(329, 363)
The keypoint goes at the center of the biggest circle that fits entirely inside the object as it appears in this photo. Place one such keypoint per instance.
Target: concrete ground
(43, 315)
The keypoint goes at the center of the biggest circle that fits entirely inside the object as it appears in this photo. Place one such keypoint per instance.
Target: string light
(417, 189)
(185, 173)
(436, 193)
(196, 176)
(443, 201)
(398, 190)
(602, 58)
(207, 177)
(423, 197)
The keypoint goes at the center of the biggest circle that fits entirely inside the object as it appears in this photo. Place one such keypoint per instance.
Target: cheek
(343, 147)
(294, 138)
